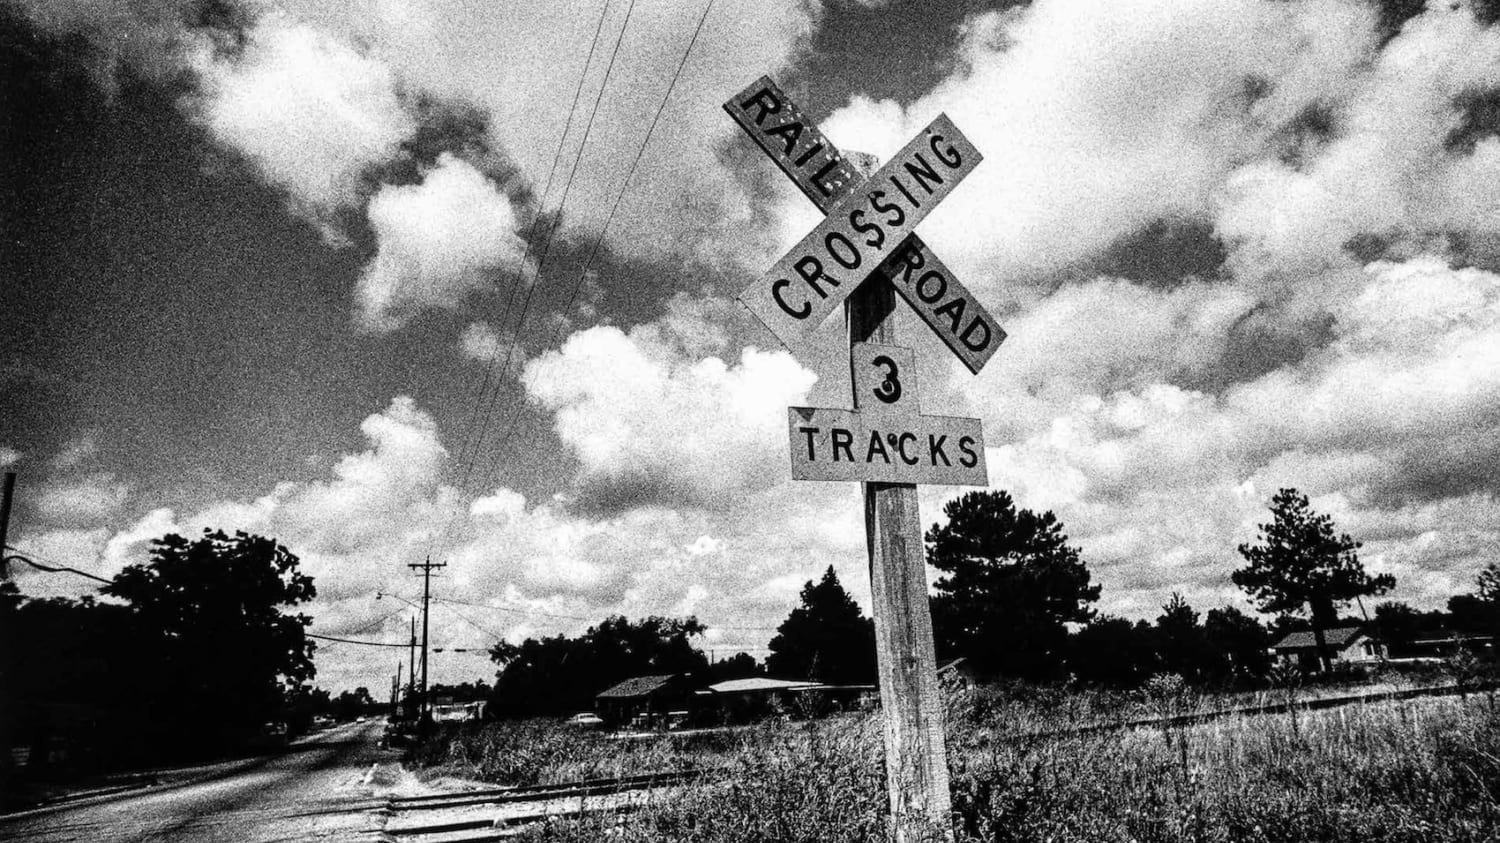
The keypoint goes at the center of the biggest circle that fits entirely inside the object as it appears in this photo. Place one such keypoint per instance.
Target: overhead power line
(466, 458)
(550, 234)
(614, 207)
(352, 641)
(55, 567)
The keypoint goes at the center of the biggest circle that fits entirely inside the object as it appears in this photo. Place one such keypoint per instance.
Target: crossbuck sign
(864, 247)
(869, 222)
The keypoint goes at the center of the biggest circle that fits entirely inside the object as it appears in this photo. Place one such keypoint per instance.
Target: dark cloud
(1439, 468)
(1164, 254)
(1479, 119)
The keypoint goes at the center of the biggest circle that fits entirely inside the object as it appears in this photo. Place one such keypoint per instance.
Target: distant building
(739, 700)
(643, 700)
(957, 673)
(452, 712)
(1439, 644)
(1347, 645)
(742, 700)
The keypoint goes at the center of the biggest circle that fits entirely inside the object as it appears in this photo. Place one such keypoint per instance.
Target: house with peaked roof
(1347, 645)
(643, 700)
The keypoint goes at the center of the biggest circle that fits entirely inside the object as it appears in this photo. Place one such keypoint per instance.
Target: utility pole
(426, 568)
(411, 674)
(6, 491)
(7, 649)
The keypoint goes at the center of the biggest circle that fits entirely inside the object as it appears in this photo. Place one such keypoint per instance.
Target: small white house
(1349, 645)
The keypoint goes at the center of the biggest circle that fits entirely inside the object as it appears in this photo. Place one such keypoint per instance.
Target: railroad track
(1200, 717)
(479, 816)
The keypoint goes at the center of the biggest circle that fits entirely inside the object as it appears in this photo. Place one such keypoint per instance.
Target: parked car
(586, 719)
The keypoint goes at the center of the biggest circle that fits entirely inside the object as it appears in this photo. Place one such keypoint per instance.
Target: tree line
(1015, 599)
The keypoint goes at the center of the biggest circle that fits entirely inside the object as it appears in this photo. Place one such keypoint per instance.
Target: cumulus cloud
(1097, 120)
(438, 242)
(519, 567)
(521, 66)
(481, 342)
(650, 425)
(1387, 426)
(312, 113)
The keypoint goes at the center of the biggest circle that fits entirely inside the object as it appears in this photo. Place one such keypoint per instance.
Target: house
(643, 700)
(740, 700)
(1347, 645)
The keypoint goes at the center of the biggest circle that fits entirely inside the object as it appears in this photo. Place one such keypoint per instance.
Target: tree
(826, 639)
(1180, 641)
(737, 666)
(1397, 625)
(211, 613)
(1113, 651)
(1488, 583)
(1298, 562)
(1479, 613)
(1012, 582)
(1240, 640)
(559, 674)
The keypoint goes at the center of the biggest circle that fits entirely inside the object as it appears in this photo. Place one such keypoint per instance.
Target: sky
(347, 275)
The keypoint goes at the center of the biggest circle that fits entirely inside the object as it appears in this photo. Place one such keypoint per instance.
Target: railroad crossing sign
(867, 222)
(884, 440)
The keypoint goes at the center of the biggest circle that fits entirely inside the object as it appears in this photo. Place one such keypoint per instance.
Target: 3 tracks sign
(861, 255)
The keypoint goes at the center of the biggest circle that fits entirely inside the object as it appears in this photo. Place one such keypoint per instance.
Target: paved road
(316, 790)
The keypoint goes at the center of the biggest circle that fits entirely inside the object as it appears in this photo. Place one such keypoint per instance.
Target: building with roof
(743, 700)
(1347, 645)
(643, 700)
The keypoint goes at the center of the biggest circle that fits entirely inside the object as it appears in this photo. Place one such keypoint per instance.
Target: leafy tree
(1299, 562)
(1488, 583)
(351, 704)
(826, 639)
(1397, 626)
(212, 613)
(737, 666)
(1181, 642)
(1479, 613)
(560, 674)
(1240, 641)
(1012, 582)
(1114, 652)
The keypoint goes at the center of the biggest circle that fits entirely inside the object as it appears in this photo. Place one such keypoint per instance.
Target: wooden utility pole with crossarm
(426, 568)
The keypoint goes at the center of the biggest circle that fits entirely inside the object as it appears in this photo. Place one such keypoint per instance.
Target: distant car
(361, 719)
(272, 735)
(586, 718)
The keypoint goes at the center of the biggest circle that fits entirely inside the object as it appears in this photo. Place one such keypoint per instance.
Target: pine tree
(1012, 582)
(1300, 563)
(826, 639)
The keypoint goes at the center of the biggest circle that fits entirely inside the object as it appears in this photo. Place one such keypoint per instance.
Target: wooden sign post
(862, 255)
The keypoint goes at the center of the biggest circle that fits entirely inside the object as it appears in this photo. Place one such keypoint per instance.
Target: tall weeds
(1423, 770)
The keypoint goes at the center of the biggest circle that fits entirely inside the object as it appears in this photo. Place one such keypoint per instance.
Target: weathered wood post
(915, 751)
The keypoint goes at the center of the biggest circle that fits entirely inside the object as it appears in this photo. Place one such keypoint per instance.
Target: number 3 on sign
(884, 373)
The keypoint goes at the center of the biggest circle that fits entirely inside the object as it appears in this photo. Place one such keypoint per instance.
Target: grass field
(1420, 770)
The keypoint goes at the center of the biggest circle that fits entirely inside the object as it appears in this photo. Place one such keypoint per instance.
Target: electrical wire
(338, 640)
(518, 271)
(551, 233)
(30, 559)
(614, 207)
